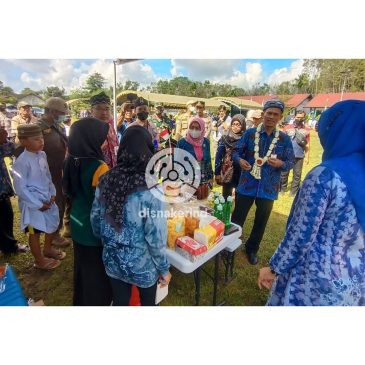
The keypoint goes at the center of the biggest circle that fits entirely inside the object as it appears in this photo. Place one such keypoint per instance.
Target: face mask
(194, 133)
(60, 119)
(142, 116)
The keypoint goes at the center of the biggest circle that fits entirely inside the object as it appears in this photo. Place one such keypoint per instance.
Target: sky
(72, 73)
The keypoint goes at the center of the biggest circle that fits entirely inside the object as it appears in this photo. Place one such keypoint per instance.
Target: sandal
(55, 254)
(49, 265)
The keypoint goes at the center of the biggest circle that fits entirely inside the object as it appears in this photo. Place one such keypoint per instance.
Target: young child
(36, 195)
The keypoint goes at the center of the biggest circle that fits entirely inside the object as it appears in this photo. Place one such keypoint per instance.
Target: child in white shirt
(36, 195)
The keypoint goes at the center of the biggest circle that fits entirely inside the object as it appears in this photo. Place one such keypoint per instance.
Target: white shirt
(33, 185)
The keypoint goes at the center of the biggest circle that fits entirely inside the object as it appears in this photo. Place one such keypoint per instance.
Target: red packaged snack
(219, 227)
(189, 248)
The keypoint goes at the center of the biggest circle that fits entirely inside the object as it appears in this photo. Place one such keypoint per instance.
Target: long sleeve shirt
(321, 260)
(33, 185)
(268, 186)
(136, 254)
(205, 164)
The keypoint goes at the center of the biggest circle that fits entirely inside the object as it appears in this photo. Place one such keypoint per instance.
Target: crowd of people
(85, 183)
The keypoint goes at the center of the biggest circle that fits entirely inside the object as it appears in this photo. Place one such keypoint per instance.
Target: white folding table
(184, 265)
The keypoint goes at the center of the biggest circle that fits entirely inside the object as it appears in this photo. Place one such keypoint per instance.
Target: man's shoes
(252, 258)
(60, 241)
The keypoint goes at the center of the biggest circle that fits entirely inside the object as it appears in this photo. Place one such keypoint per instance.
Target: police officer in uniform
(182, 122)
(55, 145)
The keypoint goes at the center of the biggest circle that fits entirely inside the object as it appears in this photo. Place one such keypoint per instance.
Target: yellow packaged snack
(175, 229)
(206, 236)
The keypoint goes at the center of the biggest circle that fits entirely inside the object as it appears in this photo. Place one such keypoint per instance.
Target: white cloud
(247, 79)
(203, 69)
(234, 72)
(33, 83)
(38, 74)
(287, 73)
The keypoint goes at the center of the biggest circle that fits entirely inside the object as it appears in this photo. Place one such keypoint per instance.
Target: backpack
(227, 166)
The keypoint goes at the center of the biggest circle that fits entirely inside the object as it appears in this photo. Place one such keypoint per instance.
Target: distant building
(323, 101)
(32, 99)
(298, 102)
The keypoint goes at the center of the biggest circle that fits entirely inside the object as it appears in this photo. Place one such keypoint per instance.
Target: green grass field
(55, 288)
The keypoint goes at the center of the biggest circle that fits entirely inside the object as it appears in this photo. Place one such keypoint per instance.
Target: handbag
(300, 139)
(227, 167)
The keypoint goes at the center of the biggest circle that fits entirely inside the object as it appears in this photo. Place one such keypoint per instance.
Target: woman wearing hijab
(83, 167)
(127, 217)
(321, 260)
(196, 144)
(227, 173)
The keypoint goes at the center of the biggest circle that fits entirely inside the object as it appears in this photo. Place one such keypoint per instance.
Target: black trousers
(243, 205)
(297, 176)
(227, 189)
(91, 283)
(122, 293)
(8, 244)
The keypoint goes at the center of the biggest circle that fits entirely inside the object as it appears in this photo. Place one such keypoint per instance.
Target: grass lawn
(55, 288)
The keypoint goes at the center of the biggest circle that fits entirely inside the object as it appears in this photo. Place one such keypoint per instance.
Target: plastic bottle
(216, 203)
(220, 212)
(228, 211)
(211, 200)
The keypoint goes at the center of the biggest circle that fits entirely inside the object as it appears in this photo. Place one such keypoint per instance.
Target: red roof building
(261, 99)
(298, 100)
(323, 101)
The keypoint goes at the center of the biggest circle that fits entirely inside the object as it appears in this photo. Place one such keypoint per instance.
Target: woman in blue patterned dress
(321, 260)
(127, 217)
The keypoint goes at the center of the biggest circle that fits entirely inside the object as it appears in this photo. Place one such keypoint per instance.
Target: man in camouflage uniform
(182, 121)
(55, 145)
(160, 119)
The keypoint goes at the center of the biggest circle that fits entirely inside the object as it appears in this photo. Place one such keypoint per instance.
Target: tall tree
(94, 82)
(28, 91)
(54, 91)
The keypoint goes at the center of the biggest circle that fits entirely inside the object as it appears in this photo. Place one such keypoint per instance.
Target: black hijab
(128, 176)
(84, 145)
(230, 138)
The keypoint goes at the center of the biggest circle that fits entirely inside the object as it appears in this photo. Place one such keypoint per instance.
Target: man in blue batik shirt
(261, 169)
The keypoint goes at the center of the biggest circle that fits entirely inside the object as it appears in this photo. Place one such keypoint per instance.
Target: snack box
(175, 229)
(219, 228)
(206, 236)
(205, 220)
(189, 248)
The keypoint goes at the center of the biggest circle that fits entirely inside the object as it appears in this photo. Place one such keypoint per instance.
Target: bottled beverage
(228, 212)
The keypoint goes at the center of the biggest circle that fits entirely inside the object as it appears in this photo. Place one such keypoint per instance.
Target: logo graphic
(175, 175)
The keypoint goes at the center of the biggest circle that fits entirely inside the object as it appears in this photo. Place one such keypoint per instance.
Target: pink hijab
(197, 142)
